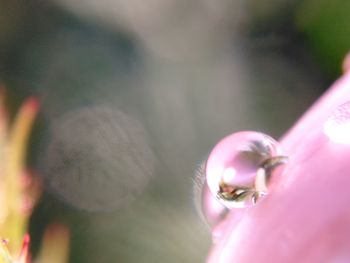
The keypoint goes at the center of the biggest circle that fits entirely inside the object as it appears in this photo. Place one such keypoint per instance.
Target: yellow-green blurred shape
(55, 245)
(14, 218)
(4, 254)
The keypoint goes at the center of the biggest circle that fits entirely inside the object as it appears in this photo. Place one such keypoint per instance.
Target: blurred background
(134, 94)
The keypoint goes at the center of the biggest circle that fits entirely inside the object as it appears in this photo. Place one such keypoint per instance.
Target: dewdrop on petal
(240, 166)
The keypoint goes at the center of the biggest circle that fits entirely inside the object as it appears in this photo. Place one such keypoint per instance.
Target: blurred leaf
(326, 26)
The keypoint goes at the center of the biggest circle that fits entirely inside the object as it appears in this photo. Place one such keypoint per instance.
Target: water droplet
(209, 208)
(239, 168)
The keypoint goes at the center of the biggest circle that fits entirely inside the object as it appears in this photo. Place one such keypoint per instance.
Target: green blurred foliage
(326, 26)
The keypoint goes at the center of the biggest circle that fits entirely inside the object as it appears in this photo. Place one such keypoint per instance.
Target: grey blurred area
(134, 95)
(97, 158)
